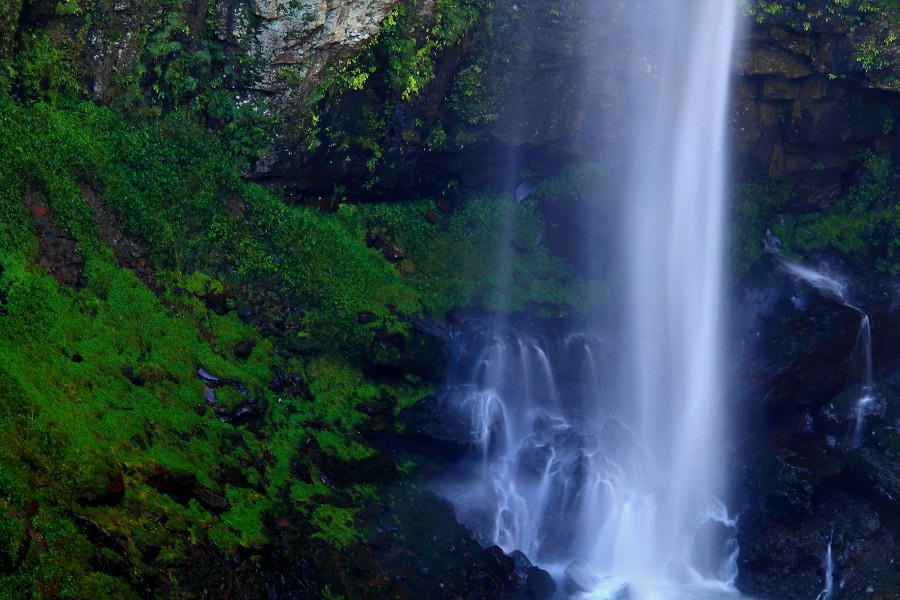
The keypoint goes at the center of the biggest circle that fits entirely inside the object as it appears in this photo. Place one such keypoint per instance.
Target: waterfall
(672, 377)
(603, 461)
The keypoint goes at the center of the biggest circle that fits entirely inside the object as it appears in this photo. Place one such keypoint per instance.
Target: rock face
(305, 36)
(806, 98)
(812, 86)
(808, 480)
(288, 42)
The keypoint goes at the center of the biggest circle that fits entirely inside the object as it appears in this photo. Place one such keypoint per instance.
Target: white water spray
(619, 491)
(673, 376)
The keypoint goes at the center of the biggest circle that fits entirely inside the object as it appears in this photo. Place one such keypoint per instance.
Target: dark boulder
(436, 428)
(796, 342)
(230, 400)
(243, 349)
(539, 585)
(133, 376)
(99, 535)
(289, 383)
(388, 248)
(183, 487)
(59, 254)
(106, 490)
(877, 477)
(787, 561)
(210, 500)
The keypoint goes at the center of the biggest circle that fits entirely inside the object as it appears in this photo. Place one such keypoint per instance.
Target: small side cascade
(867, 397)
(827, 592)
(836, 289)
(535, 459)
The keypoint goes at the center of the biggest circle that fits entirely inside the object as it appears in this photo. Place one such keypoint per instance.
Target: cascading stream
(828, 591)
(836, 289)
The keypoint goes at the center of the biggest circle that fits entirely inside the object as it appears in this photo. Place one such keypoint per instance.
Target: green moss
(9, 18)
(864, 223)
(453, 260)
(99, 382)
(756, 203)
(335, 525)
(359, 97)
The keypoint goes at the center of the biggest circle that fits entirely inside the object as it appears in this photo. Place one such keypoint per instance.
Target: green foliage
(864, 223)
(9, 18)
(361, 95)
(454, 260)
(67, 424)
(39, 71)
(756, 203)
(800, 12)
(873, 17)
(471, 98)
(335, 525)
(873, 53)
(99, 381)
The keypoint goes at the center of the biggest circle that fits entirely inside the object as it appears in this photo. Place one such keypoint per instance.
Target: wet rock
(243, 350)
(797, 343)
(433, 427)
(539, 584)
(798, 468)
(877, 477)
(285, 383)
(133, 376)
(4, 296)
(770, 60)
(98, 535)
(244, 413)
(499, 561)
(107, 491)
(182, 486)
(58, 252)
(178, 484)
(388, 248)
(400, 349)
(218, 302)
(242, 409)
(816, 190)
(375, 468)
(210, 500)
(366, 317)
(787, 560)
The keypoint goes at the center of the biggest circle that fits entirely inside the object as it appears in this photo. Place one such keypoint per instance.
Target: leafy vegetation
(129, 245)
(371, 101)
(873, 19)
(864, 223)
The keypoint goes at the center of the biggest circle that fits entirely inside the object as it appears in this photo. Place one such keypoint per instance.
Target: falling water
(835, 288)
(828, 591)
(605, 465)
(867, 397)
(672, 382)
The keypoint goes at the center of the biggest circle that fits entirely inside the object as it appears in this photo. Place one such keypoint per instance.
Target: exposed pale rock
(307, 35)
